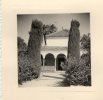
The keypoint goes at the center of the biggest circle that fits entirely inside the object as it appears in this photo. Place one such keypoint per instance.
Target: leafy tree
(21, 44)
(85, 46)
(48, 29)
(53, 28)
(85, 42)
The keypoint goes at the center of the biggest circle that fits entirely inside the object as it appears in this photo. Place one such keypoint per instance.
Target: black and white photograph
(54, 50)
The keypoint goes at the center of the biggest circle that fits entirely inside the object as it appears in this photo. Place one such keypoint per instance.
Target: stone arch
(60, 61)
(49, 60)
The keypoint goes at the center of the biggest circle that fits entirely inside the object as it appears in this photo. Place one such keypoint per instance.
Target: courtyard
(47, 79)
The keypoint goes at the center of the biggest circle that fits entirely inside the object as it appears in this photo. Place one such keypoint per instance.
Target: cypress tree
(34, 45)
(74, 40)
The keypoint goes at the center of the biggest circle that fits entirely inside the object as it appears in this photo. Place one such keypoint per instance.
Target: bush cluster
(78, 73)
(25, 71)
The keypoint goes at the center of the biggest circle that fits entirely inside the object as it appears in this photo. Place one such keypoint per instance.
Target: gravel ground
(47, 79)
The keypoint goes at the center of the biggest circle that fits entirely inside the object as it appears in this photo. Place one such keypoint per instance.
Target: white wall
(57, 41)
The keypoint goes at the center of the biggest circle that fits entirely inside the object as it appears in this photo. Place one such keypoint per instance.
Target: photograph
(54, 50)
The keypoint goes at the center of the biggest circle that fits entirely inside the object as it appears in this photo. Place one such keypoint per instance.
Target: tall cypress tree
(34, 45)
(74, 40)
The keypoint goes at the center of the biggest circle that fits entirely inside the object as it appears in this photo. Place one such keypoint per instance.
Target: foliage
(48, 29)
(85, 42)
(78, 73)
(36, 32)
(74, 40)
(87, 59)
(36, 24)
(21, 44)
(25, 71)
(29, 58)
(34, 45)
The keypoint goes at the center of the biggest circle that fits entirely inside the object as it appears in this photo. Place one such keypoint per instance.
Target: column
(55, 64)
(43, 61)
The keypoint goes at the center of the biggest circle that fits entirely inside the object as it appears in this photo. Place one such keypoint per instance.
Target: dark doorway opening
(61, 60)
(49, 60)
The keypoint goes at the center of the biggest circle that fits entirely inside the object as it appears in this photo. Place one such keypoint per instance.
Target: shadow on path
(53, 77)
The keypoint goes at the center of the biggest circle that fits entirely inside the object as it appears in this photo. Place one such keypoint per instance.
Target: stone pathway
(47, 79)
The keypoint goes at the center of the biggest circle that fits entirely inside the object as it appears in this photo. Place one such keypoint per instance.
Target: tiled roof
(54, 48)
(62, 33)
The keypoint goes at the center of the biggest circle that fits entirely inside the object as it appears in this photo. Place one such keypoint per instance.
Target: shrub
(25, 71)
(29, 57)
(78, 73)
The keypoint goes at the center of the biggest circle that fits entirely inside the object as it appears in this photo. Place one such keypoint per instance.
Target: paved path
(47, 79)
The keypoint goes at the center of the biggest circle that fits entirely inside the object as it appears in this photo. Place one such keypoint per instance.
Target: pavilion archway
(49, 60)
(60, 62)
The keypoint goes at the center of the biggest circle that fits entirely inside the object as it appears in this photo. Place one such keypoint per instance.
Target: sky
(60, 20)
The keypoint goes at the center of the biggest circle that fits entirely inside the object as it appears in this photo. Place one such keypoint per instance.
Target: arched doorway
(41, 60)
(49, 60)
(60, 62)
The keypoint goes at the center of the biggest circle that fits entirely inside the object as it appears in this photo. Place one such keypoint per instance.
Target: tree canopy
(85, 42)
(48, 29)
(21, 44)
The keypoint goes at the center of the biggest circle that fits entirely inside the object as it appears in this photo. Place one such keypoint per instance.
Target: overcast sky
(60, 20)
